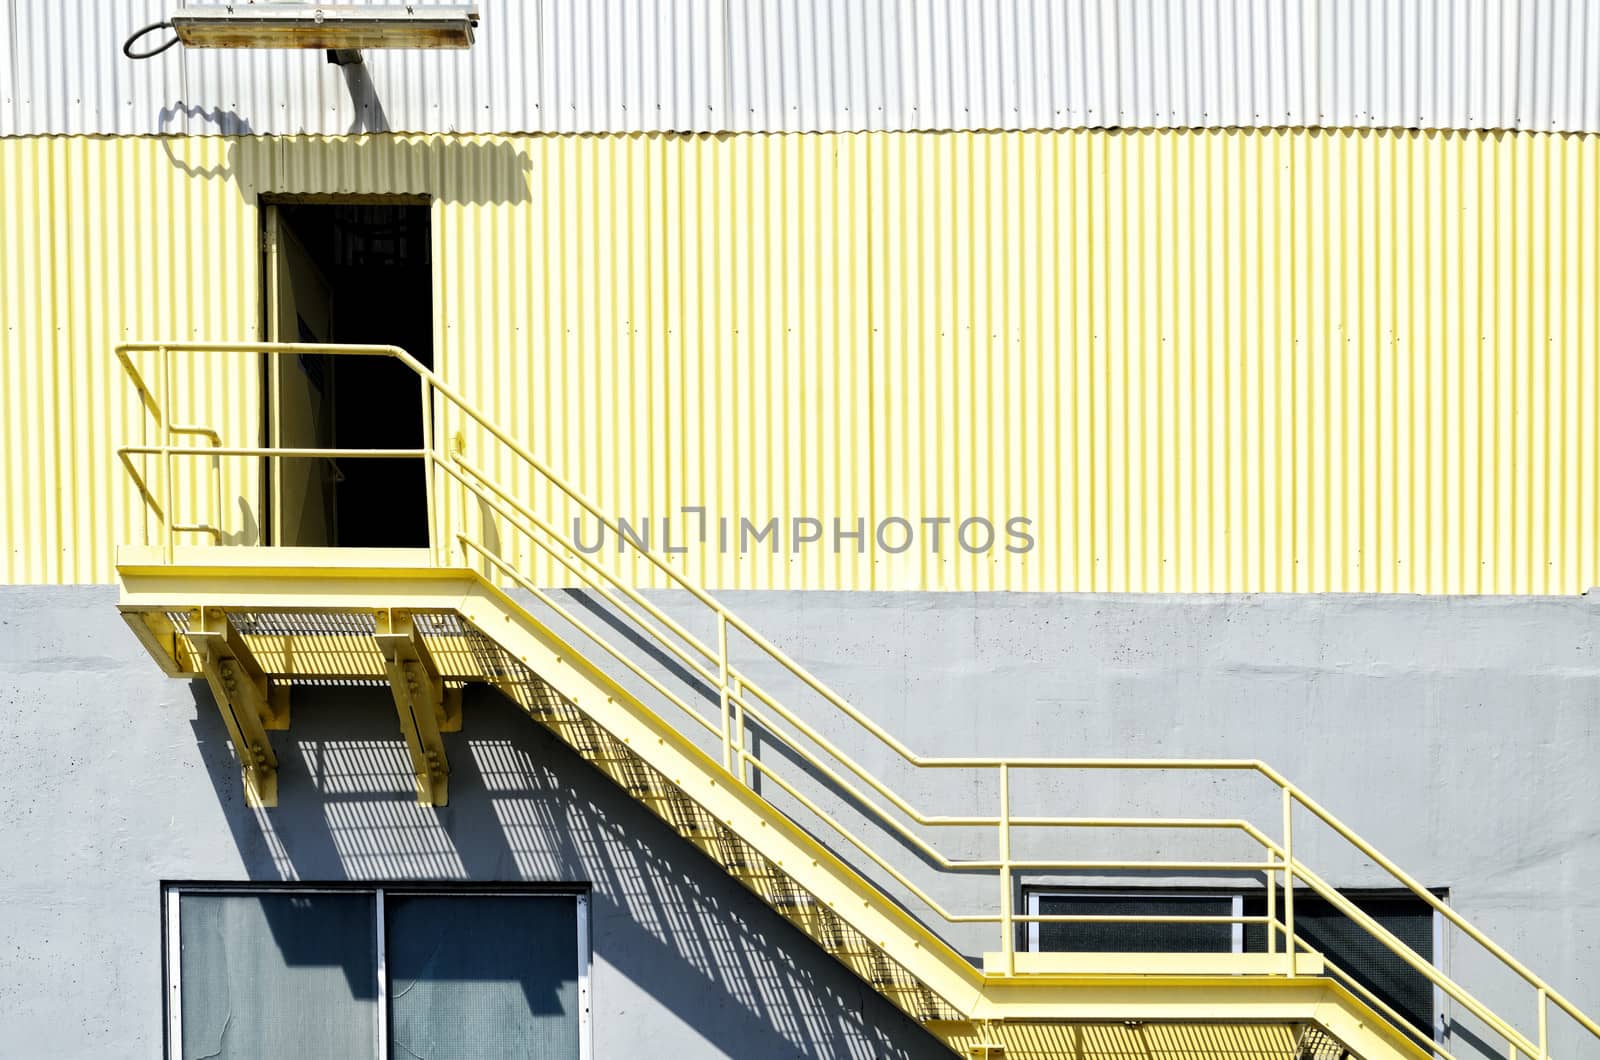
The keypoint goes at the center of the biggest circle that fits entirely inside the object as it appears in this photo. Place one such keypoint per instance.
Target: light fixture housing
(333, 27)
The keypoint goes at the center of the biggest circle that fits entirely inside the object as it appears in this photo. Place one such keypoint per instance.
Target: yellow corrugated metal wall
(1198, 361)
(101, 240)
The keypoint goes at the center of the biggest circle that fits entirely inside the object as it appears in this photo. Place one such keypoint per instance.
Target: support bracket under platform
(249, 703)
(425, 706)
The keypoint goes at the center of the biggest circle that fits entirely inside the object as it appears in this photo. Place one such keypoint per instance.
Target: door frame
(269, 484)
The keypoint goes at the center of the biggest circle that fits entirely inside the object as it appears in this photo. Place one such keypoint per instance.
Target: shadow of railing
(525, 809)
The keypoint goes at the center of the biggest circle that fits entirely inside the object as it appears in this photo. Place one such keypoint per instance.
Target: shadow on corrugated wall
(458, 172)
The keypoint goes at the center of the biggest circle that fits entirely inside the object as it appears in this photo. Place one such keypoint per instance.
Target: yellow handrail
(1005, 865)
(741, 700)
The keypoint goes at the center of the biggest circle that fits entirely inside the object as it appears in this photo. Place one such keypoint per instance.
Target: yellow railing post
(163, 419)
(1288, 880)
(452, 483)
(738, 729)
(1008, 932)
(274, 465)
(428, 472)
(722, 690)
(1544, 1024)
(217, 506)
(1272, 904)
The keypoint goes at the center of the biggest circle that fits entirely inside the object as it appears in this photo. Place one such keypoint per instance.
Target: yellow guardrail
(743, 703)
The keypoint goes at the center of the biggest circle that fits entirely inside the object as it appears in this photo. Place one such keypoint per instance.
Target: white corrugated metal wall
(840, 65)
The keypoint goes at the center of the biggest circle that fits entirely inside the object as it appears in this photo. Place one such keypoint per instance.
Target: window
(1324, 928)
(375, 972)
(1147, 937)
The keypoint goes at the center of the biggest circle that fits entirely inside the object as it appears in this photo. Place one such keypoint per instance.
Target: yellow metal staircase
(779, 794)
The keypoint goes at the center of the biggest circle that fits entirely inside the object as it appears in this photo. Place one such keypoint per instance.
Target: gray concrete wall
(1458, 734)
(114, 778)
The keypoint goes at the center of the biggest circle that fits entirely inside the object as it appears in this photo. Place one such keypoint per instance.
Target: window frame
(1236, 904)
(171, 949)
(1032, 893)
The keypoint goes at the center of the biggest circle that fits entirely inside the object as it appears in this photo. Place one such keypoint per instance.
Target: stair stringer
(944, 984)
(982, 1001)
(817, 871)
(955, 1000)
(1039, 1009)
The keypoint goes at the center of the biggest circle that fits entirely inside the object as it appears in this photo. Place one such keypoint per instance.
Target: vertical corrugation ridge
(1305, 361)
(622, 66)
(103, 243)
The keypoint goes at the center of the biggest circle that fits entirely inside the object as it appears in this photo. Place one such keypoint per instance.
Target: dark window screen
(1136, 938)
(1330, 932)
(1367, 960)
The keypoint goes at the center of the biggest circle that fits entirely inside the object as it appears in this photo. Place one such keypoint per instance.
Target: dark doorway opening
(349, 272)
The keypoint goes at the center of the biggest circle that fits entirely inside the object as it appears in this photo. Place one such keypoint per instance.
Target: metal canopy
(334, 27)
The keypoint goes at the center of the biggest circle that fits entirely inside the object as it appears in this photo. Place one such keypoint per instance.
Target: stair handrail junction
(742, 700)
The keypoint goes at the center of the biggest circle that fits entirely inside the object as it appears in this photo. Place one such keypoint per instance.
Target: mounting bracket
(425, 706)
(250, 704)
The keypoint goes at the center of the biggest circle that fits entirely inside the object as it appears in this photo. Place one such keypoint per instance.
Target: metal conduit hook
(127, 45)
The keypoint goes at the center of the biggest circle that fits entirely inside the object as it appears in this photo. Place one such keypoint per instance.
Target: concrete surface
(114, 778)
(1458, 734)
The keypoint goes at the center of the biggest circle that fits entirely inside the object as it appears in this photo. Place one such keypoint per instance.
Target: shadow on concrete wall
(866, 820)
(523, 808)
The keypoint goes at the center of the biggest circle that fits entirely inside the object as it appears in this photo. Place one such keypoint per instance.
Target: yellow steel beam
(249, 704)
(1235, 1000)
(1101, 1040)
(283, 558)
(395, 585)
(293, 588)
(420, 700)
(1075, 967)
(1014, 1010)
(665, 747)
(163, 641)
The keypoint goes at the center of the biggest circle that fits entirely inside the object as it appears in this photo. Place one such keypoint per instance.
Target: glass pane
(276, 975)
(1148, 937)
(479, 977)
